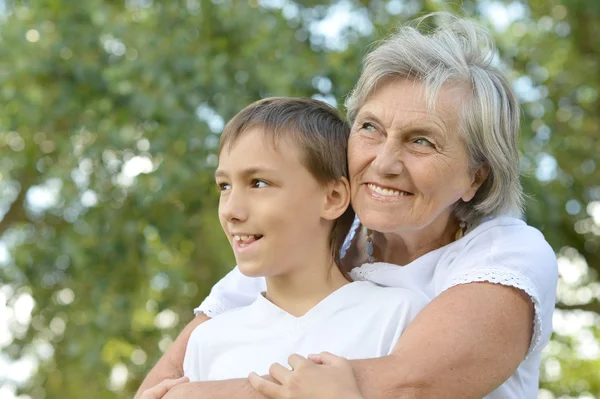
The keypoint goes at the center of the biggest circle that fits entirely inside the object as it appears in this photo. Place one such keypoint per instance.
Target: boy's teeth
(244, 237)
(386, 191)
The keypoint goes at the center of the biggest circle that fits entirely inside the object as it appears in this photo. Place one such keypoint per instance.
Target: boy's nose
(233, 208)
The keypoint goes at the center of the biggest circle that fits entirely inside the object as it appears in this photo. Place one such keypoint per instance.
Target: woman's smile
(386, 194)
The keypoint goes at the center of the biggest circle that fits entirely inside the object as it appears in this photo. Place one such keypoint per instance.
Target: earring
(461, 231)
(369, 246)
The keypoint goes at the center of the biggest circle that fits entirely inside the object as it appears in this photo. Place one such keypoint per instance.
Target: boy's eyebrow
(247, 172)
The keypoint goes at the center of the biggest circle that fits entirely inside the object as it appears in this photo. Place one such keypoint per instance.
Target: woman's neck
(306, 284)
(401, 248)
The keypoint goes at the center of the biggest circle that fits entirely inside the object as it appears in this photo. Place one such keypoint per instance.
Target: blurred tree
(108, 126)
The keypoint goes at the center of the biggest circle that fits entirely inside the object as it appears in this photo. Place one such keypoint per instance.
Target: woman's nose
(388, 160)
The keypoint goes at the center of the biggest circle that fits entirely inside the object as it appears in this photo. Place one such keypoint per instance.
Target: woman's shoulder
(504, 250)
(506, 233)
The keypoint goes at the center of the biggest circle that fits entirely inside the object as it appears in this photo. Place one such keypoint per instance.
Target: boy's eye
(257, 183)
(224, 186)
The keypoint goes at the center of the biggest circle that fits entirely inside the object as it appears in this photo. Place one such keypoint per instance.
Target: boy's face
(270, 206)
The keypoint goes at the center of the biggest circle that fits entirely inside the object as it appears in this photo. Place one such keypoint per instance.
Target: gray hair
(459, 53)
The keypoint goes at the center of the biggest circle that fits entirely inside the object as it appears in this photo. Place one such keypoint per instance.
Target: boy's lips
(243, 240)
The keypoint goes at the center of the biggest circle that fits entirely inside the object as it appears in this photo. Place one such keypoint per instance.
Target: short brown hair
(318, 128)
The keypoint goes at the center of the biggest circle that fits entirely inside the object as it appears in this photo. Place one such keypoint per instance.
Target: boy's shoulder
(232, 319)
(368, 293)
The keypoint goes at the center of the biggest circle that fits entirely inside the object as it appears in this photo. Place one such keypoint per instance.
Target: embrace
(383, 257)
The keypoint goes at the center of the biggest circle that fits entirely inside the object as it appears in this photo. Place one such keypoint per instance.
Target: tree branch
(593, 306)
(16, 211)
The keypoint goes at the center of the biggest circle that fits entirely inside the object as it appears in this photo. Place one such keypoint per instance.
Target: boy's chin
(250, 270)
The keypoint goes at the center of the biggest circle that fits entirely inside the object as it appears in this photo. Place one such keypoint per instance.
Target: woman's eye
(368, 127)
(423, 141)
(259, 184)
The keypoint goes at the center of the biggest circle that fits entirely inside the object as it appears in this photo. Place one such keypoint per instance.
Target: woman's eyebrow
(424, 128)
(429, 127)
(367, 115)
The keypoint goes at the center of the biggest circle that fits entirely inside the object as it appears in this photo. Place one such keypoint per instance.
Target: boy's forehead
(264, 138)
(259, 144)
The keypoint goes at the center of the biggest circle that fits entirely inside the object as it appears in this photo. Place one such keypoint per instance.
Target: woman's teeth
(386, 191)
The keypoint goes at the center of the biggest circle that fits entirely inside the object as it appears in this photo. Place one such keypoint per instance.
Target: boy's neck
(306, 285)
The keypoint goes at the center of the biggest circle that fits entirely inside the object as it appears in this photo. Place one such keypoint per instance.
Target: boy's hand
(158, 391)
(322, 376)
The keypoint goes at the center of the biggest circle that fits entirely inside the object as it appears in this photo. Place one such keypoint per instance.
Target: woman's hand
(158, 391)
(322, 376)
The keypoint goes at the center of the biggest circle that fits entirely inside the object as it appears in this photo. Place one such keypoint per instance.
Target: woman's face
(408, 166)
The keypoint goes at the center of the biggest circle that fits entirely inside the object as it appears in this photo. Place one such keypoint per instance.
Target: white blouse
(502, 250)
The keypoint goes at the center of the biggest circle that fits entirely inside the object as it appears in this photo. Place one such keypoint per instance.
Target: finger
(315, 359)
(279, 373)
(267, 388)
(296, 361)
(161, 389)
(325, 358)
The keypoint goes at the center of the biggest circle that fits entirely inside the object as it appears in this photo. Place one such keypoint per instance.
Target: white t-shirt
(501, 250)
(253, 337)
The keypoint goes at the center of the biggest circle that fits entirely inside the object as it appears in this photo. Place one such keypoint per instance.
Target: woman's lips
(385, 193)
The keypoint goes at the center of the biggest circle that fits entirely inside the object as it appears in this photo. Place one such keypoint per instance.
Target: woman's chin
(382, 221)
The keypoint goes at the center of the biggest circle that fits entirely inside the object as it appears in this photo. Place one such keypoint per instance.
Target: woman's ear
(479, 177)
(337, 199)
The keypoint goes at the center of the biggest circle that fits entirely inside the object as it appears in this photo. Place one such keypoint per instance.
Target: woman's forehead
(401, 103)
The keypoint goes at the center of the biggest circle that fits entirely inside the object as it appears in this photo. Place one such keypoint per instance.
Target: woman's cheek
(357, 156)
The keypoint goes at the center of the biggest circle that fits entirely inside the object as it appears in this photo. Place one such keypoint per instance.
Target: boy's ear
(337, 199)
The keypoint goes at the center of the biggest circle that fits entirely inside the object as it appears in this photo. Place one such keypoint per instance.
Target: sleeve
(232, 291)
(516, 256)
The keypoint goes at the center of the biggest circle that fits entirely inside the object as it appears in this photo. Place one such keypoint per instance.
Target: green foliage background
(93, 92)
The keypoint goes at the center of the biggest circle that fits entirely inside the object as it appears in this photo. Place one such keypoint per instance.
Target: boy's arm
(170, 364)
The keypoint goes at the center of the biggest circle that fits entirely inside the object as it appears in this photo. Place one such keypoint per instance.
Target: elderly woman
(434, 172)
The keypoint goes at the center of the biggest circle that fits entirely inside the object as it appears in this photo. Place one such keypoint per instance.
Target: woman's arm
(238, 389)
(464, 344)
(170, 365)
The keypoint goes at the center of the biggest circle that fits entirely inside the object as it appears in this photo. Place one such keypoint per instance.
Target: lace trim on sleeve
(515, 280)
(349, 237)
(210, 307)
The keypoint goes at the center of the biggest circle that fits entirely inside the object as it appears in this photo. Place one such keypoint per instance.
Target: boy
(284, 207)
